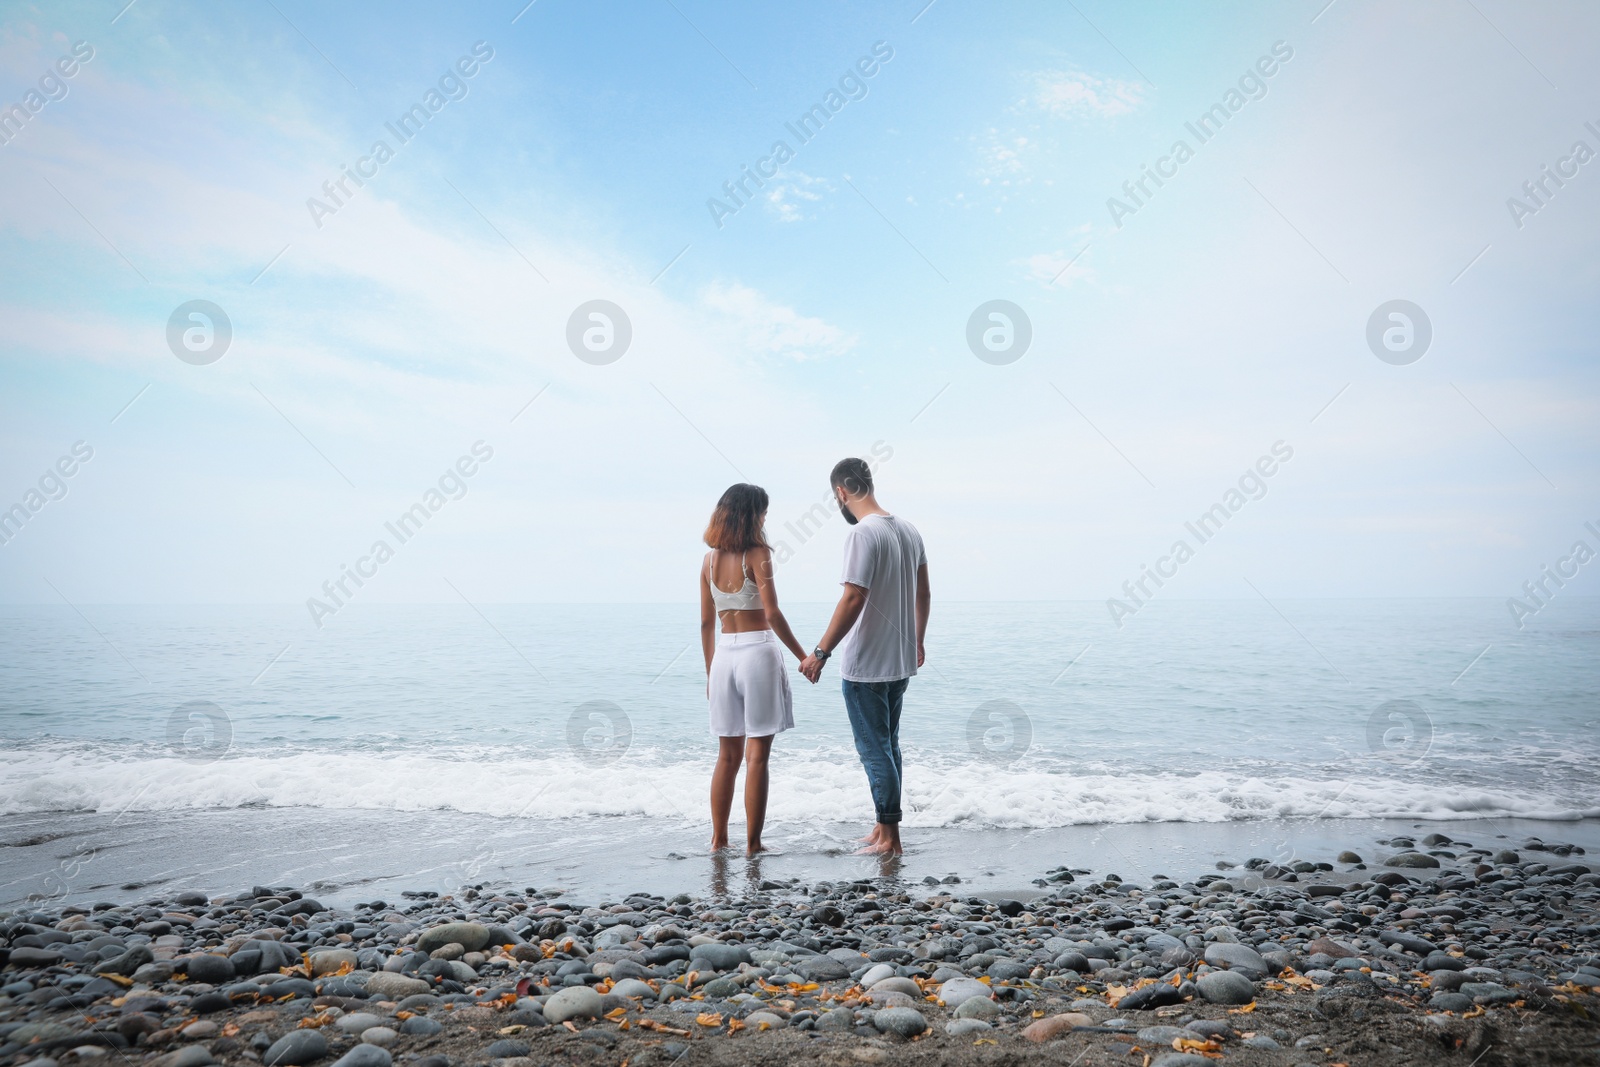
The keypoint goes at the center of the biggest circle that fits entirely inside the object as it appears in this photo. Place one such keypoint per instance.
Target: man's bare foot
(718, 844)
(754, 847)
(874, 837)
(881, 848)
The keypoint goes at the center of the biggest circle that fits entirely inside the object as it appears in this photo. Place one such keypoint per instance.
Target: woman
(747, 683)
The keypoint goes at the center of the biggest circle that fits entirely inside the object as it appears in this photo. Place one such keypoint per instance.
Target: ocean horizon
(1026, 716)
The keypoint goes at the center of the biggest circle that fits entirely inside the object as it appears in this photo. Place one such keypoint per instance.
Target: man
(884, 612)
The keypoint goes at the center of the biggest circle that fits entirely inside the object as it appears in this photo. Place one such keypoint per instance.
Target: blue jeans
(874, 709)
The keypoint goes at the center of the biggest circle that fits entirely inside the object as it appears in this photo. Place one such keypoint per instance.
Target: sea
(423, 747)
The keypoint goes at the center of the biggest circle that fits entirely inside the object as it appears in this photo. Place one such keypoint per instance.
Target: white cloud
(788, 198)
(773, 328)
(1072, 93)
(1059, 267)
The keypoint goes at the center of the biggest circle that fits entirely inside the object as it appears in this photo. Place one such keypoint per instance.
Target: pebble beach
(1396, 951)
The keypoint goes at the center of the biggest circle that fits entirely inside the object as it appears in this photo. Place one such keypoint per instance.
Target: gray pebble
(297, 1048)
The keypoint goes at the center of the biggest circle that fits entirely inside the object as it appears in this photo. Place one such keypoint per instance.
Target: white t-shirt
(881, 555)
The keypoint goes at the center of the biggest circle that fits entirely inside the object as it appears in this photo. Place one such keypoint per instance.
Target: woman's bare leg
(756, 751)
(722, 779)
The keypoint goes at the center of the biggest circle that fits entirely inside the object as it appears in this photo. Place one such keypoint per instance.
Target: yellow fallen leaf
(661, 1028)
(512, 1030)
(735, 1025)
(1248, 1008)
(709, 1018)
(617, 1013)
(1210, 1049)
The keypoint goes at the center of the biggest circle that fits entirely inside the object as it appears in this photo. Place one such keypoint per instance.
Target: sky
(384, 338)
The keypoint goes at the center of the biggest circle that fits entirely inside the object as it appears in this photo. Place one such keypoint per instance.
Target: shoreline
(1443, 948)
(346, 856)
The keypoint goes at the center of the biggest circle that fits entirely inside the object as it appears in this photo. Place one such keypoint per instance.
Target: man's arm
(845, 614)
(924, 602)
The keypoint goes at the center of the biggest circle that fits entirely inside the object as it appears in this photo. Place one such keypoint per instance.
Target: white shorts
(750, 686)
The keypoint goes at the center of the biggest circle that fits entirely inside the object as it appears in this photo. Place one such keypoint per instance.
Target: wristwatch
(822, 656)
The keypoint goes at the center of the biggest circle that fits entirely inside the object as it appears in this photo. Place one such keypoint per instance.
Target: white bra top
(748, 598)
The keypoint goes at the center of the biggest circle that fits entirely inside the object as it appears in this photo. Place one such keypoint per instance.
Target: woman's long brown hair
(736, 523)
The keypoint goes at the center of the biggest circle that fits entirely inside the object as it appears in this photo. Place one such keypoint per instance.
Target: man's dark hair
(853, 475)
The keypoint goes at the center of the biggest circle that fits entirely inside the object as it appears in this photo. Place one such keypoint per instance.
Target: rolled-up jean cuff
(889, 818)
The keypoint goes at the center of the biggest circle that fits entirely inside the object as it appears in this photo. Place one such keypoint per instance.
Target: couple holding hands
(877, 632)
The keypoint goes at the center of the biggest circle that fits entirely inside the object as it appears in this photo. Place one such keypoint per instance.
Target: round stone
(822, 969)
(895, 985)
(1226, 987)
(573, 1002)
(720, 957)
(330, 961)
(356, 1022)
(1072, 961)
(837, 1020)
(393, 986)
(1237, 957)
(977, 1008)
(902, 1022)
(296, 1049)
(875, 974)
(720, 988)
(958, 990)
(633, 989)
(212, 970)
(470, 936)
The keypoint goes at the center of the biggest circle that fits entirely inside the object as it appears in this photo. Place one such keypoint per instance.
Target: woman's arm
(762, 560)
(708, 615)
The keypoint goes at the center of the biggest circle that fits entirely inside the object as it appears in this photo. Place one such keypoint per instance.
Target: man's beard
(845, 511)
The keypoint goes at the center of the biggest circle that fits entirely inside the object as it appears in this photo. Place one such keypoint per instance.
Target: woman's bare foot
(718, 844)
(754, 847)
